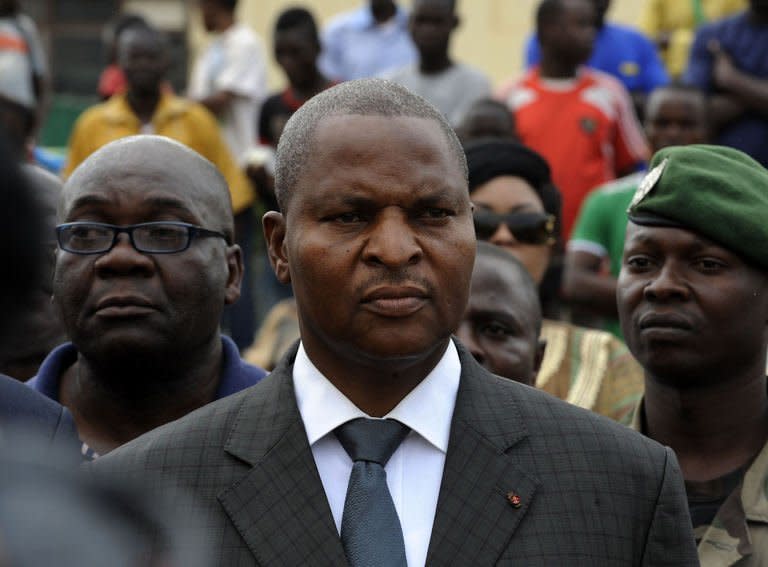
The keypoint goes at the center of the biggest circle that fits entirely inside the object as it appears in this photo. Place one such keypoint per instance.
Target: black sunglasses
(528, 228)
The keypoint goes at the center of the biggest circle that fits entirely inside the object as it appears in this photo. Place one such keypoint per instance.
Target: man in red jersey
(581, 120)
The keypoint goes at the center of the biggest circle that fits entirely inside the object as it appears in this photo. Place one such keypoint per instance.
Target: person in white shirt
(230, 79)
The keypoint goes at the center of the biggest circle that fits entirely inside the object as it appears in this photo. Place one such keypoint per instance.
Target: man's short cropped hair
(365, 97)
(547, 12)
(298, 18)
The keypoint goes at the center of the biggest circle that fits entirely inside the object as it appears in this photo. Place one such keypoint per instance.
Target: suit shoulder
(551, 420)
(197, 433)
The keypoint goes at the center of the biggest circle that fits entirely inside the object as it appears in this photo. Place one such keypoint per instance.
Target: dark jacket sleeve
(670, 538)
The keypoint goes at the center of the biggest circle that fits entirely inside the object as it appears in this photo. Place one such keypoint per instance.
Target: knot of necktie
(372, 440)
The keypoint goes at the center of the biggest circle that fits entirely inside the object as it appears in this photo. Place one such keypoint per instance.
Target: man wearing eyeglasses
(145, 264)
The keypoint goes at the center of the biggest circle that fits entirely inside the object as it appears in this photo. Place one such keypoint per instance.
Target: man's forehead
(338, 136)
(492, 276)
(155, 189)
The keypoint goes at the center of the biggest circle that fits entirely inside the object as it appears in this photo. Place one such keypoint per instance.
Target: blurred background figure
(450, 86)
(112, 80)
(486, 118)
(729, 61)
(22, 56)
(367, 42)
(52, 514)
(672, 25)
(675, 115)
(502, 321)
(581, 120)
(621, 51)
(517, 209)
(230, 79)
(146, 108)
(296, 47)
(20, 356)
(23, 256)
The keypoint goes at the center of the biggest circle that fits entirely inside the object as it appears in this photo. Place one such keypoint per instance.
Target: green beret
(715, 191)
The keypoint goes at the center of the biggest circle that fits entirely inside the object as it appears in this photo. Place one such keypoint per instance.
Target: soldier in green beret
(693, 303)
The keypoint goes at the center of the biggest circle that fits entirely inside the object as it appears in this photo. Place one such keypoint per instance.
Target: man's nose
(123, 258)
(392, 241)
(667, 284)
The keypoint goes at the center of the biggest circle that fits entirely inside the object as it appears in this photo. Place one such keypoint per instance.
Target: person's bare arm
(749, 91)
(584, 285)
(218, 102)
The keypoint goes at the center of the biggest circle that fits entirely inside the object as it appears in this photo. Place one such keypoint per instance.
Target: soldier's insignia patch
(647, 184)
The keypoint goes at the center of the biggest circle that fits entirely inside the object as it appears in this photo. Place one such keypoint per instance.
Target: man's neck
(433, 65)
(758, 17)
(384, 14)
(713, 430)
(313, 85)
(557, 68)
(224, 22)
(114, 404)
(375, 386)
(143, 105)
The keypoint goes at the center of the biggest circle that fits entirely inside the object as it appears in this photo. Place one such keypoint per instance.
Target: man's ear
(274, 234)
(235, 274)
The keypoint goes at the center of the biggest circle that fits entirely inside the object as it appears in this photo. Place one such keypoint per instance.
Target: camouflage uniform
(738, 534)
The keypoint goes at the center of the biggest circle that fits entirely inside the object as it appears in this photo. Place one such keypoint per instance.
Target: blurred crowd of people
(187, 241)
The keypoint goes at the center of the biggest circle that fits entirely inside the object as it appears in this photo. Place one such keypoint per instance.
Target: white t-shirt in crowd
(234, 62)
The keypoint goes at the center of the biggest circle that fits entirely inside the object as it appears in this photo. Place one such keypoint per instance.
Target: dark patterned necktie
(370, 529)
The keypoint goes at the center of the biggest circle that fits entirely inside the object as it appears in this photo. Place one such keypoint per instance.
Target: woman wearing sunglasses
(518, 208)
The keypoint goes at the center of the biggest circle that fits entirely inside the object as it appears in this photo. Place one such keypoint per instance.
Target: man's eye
(435, 213)
(87, 232)
(350, 217)
(164, 233)
(638, 262)
(495, 329)
(709, 265)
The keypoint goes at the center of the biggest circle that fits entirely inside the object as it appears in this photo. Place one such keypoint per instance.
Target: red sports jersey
(585, 128)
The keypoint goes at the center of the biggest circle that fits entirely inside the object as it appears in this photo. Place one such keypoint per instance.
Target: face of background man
(681, 298)
(500, 323)
(378, 242)
(128, 303)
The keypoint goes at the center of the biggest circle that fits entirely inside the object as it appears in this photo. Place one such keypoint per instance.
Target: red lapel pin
(514, 499)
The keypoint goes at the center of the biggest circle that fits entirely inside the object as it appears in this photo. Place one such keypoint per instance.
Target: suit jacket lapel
(483, 495)
(279, 507)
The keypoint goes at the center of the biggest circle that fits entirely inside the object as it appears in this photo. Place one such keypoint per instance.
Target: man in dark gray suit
(376, 237)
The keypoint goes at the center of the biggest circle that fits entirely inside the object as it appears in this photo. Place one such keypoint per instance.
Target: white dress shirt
(415, 470)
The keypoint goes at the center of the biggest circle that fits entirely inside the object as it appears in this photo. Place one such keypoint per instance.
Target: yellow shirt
(177, 118)
(678, 19)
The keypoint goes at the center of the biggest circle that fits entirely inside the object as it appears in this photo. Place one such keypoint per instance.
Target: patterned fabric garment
(738, 535)
(591, 369)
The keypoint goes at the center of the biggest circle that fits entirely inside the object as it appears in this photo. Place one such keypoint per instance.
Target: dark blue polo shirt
(236, 373)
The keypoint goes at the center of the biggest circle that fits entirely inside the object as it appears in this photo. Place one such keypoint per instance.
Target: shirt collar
(323, 407)
(236, 374)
